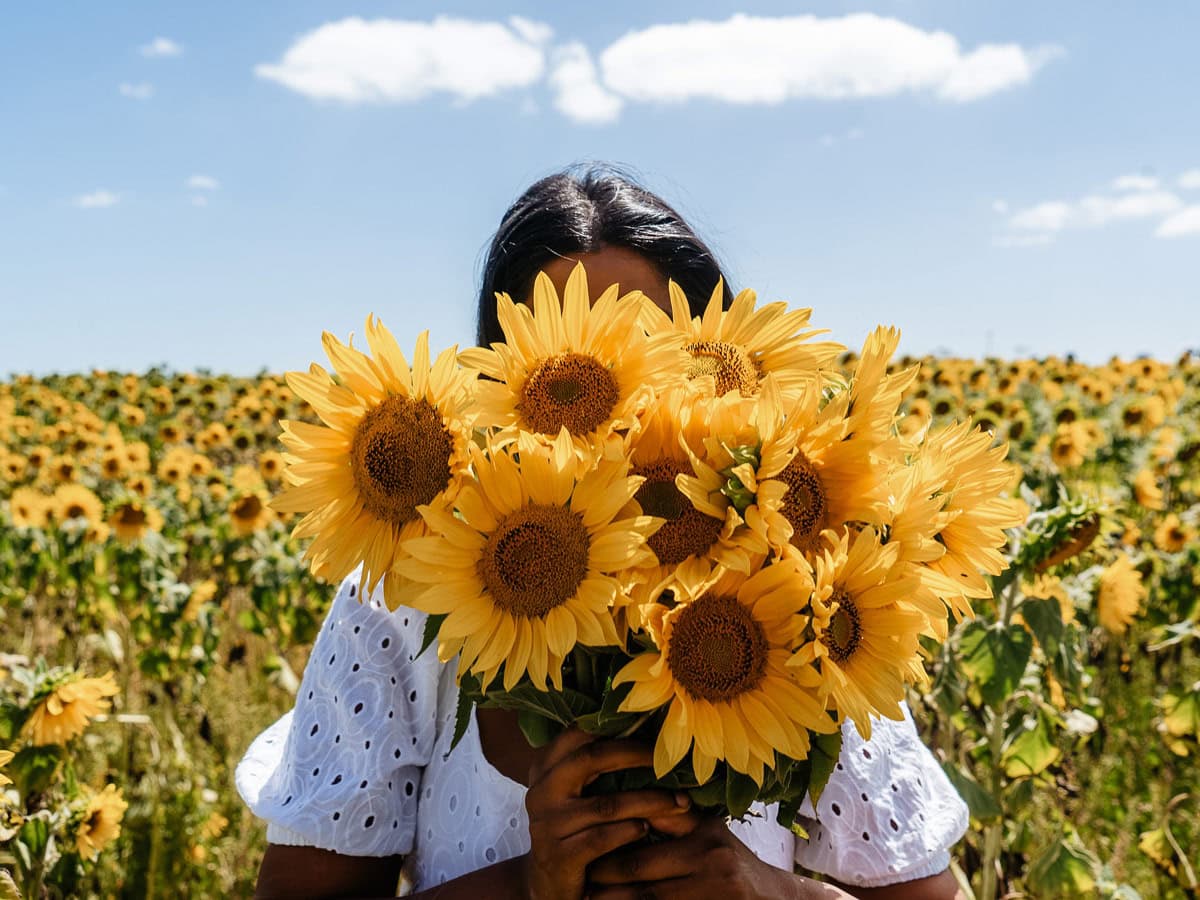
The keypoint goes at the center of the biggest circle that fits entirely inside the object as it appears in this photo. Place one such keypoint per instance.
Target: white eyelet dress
(362, 766)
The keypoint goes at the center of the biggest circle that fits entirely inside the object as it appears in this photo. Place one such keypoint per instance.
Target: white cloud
(1186, 222)
(1096, 211)
(753, 59)
(1135, 183)
(203, 183)
(577, 93)
(140, 91)
(98, 199)
(534, 32)
(159, 47)
(1052, 216)
(1190, 180)
(394, 61)
(199, 200)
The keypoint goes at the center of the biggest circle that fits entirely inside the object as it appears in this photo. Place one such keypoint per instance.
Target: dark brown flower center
(400, 458)
(687, 532)
(843, 634)
(248, 508)
(131, 516)
(569, 389)
(804, 504)
(535, 560)
(718, 649)
(730, 365)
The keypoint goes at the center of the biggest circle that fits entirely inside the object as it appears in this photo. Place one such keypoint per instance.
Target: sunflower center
(729, 364)
(131, 516)
(804, 504)
(687, 532)
(843, 634)
(400, 458)
(569, 389)
(75, 511)
(535, 560)
(248, 507)
(718, 649)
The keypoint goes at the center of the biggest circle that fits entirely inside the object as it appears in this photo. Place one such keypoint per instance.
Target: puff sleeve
(888, 815)
(342, 770)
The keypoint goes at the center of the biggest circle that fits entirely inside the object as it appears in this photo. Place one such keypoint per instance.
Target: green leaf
(994, 657)
(1065, 869)
(823, 756)
(983, 806)
(1044, 618)
(12, 717)
(538, 730)
(35, 835)
(433, 624)
(709, 794)
(33, 768)
(468, 691)
(740, 792)
(1032, 752)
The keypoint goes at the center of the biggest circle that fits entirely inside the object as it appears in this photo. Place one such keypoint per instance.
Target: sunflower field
(156, 614)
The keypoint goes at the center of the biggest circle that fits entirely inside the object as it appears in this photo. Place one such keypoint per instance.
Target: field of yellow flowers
(155, 615)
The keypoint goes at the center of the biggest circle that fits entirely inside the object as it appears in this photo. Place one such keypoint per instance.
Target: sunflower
(720, 671)
(132, 518)
(739, 346)
(113, 463)
(248, 511)
(1146, 492)
(1121, 592)
(74, 501)
(5, 758)
(1171, 535)
(967, 474)
(101, 823)
(64, 712)
(29, 508)
(865, 630)
(394, 439)
(526, 570)
(692, 538)
(818, 467)
(586, 370)
(270, 465)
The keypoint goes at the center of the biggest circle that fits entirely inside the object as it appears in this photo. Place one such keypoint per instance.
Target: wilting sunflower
(739, 346)
(1121, 592)
(75, 501)
(394, 439)
(132, 518)
(866, 632)
(691, 540)
(64, 712)
(721, 672)
(101, 822)
(527, 571)
(586, 369)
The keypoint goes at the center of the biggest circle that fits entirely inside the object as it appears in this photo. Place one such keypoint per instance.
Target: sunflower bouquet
(698, 530)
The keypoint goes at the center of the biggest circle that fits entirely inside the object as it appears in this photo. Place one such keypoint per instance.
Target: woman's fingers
(572, 773)
(586, 812)
(592, 843)
(562, 746)
(681, 888)
(651, 862)
(677, 825)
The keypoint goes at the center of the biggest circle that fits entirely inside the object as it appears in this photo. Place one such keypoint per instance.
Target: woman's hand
(568, 831)
(709, 861)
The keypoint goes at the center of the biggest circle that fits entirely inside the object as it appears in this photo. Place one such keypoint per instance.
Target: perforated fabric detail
(452, 813)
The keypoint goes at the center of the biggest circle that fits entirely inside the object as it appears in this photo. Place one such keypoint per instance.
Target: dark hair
(569, 213)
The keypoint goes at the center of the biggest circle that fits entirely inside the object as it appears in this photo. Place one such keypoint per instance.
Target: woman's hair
(567, 214)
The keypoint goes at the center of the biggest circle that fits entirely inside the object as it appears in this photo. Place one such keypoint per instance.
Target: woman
(357, 780)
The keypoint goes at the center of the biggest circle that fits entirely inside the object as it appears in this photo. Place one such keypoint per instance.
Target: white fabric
(361, 766)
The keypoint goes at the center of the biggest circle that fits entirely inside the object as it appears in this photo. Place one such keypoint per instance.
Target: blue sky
(212, 185)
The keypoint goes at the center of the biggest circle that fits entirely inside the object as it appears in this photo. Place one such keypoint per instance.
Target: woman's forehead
(613, 265)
